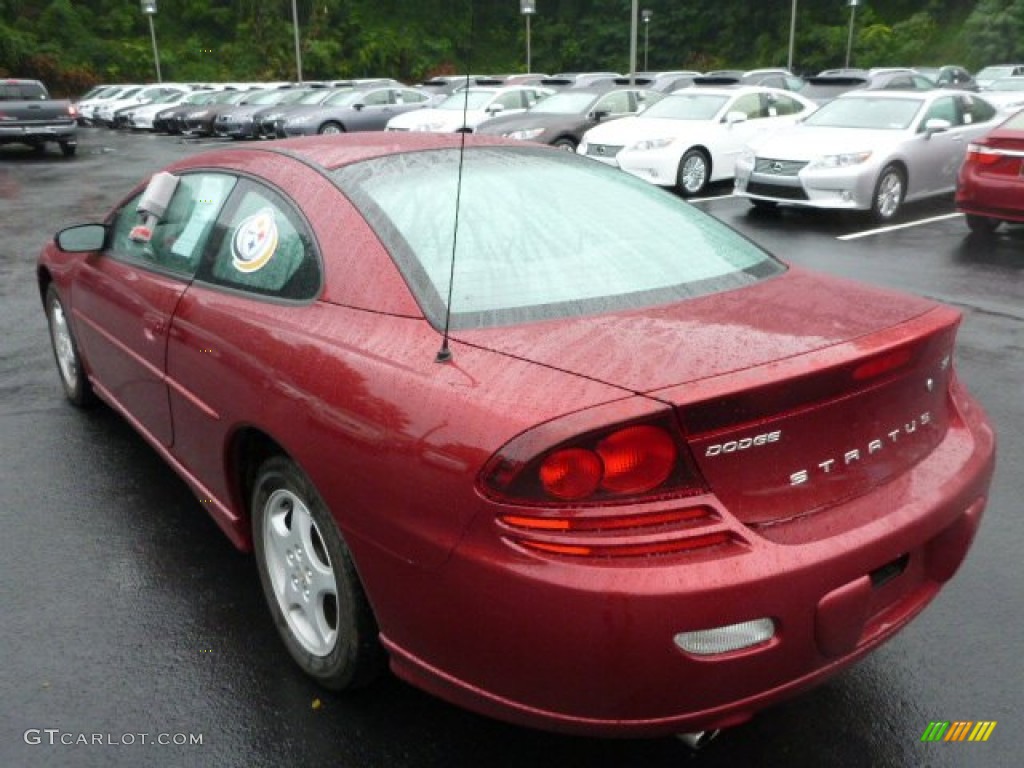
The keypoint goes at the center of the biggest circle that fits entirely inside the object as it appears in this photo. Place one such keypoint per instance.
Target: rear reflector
(882, 364)
(732, 637)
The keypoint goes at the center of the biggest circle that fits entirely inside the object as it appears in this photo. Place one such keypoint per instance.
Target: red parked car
(651, 481)
(988, 190)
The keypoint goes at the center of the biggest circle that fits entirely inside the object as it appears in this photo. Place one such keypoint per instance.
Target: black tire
(693, 173)
(65, 352)
(67, 149)
(332, 636)
(331, 128)
(982, 225)
(887, 199)
(564, 143)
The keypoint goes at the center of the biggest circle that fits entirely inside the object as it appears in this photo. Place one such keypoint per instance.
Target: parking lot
(129, 613)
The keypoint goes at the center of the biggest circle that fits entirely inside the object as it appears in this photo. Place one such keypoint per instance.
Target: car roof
(327, 153)
(862, 93)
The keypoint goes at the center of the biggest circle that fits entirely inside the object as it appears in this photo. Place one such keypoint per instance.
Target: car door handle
(153, 326)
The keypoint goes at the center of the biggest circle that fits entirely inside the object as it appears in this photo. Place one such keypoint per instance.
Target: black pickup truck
(29, 116)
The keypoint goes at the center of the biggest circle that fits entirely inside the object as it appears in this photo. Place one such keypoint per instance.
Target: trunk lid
(793, 394)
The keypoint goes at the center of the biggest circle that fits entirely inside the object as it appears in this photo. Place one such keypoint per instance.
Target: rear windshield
(867, 112)
(541, 234)
(22, 92)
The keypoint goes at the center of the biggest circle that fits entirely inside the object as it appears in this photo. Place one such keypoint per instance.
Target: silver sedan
(866, 151)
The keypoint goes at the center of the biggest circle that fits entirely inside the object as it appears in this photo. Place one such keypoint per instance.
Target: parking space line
(894, 227)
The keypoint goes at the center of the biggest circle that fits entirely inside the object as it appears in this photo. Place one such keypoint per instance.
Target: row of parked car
(843, 139)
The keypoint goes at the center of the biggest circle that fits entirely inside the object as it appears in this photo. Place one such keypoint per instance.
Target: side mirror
(82, 238)
(358, 107)
(495, 109)
(936, 125)
(600, 114)
(731, 118)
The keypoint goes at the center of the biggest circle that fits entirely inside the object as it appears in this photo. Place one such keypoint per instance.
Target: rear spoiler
(837, 80)
(716, 80)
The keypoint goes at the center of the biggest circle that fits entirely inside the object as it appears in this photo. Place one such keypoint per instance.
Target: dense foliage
(74, 44)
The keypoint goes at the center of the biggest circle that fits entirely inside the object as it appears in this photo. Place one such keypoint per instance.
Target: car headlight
(198, 115)
(582, 148)
(525, 135)
(645, 145)
(844, 160)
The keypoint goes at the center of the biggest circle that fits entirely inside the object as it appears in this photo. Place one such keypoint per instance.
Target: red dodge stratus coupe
(652, 480)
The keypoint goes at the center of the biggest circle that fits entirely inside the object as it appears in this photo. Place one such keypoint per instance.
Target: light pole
(849, 38)
(527, 8)
(792, 36)
(646, 16)
(149, 8)
(298, 53)
(632, 42)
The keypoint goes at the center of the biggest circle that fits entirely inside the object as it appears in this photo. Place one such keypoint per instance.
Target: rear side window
(264, 248)
(975, 110)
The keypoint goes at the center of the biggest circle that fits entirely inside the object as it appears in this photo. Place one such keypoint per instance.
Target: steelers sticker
(254, 242)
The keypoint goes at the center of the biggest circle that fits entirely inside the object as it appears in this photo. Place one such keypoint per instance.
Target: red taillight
(982, 155)
(572, 473)
(636, 459)
(619, 464)
(72, 111)
(628, 461)
(878, 366)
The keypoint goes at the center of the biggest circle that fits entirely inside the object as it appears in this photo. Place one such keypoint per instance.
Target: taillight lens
(636, 459)
(572, 473)
(617, 464)
(982, 155)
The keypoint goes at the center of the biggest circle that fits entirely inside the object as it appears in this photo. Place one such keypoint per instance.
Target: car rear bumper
(588, 646)
(989, 195)
(36, 133)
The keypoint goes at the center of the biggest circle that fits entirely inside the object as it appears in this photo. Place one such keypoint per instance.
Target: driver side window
(179, 237)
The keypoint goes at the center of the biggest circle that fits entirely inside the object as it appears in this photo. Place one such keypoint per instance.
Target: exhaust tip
(697, 740)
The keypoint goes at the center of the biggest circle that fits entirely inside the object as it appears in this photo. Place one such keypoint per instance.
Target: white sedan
(694, 136)
(464, 110)
(867, 150)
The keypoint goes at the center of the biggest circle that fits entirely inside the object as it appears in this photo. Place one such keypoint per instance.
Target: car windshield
(225, 97)
(266, 97)
(344, 98)
(467, 98)
(317, 96)
(1007, 84)
(167, 98)
(867, 112)
(687, 106)
(994, 73)
(541, 235)
(565, 103)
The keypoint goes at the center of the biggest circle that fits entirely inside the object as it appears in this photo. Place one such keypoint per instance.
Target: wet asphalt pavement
(127, 612)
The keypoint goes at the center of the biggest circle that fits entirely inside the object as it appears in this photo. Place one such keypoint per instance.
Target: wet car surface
(131, 613)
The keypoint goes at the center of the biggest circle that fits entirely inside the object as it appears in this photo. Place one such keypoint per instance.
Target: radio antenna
(444, 354)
